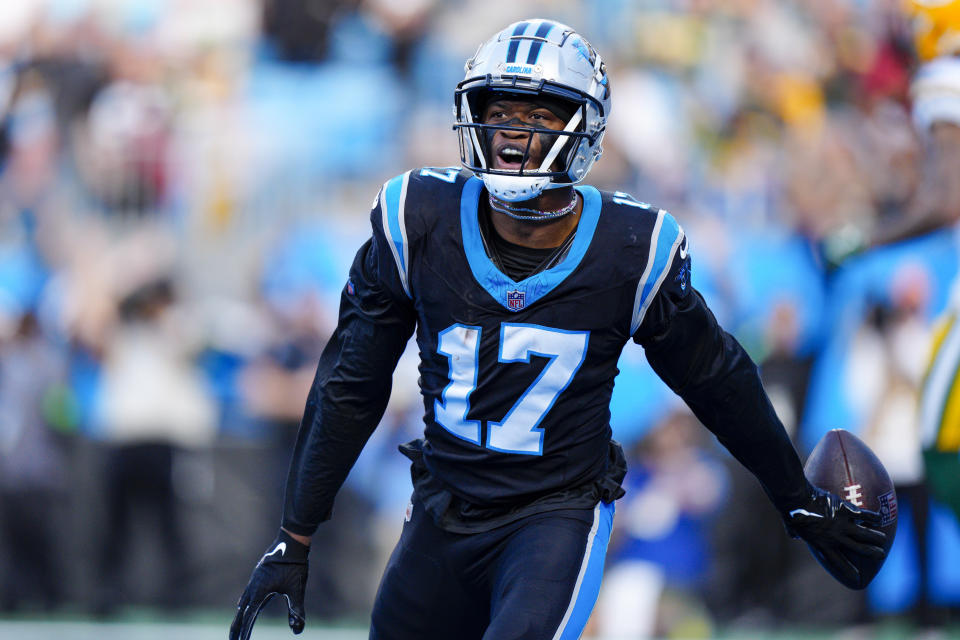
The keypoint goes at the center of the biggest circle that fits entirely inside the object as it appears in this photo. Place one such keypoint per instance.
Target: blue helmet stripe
(542, 32)
(515, 41)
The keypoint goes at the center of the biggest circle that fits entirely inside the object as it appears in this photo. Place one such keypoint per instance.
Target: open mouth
(509, 158)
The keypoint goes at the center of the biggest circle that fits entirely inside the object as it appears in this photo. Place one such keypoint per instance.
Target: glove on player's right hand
(282, 570)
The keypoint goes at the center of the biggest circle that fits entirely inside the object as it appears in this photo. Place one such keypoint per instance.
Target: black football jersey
(516, 377)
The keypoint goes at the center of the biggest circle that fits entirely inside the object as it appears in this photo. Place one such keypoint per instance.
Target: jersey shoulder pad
(408, 206)
(419, 194)
(441, 178)
(658, 247)
(621, 208)
(641, 221)
(627, 203)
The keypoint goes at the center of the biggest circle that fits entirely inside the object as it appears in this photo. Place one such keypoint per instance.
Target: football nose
(513, 134)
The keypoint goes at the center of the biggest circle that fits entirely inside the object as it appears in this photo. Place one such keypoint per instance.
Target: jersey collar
(515, 296)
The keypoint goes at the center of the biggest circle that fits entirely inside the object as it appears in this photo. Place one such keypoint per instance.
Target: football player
(522, 286)
(936, 113)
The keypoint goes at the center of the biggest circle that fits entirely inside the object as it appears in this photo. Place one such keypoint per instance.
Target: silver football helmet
(530, 59)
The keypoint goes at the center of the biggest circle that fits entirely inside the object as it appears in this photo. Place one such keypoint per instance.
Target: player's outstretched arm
(282, 570)
(710, 370)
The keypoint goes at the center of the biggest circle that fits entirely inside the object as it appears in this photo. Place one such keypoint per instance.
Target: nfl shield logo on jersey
(515, 300)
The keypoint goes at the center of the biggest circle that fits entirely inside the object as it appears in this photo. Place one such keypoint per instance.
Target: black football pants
(535, 579)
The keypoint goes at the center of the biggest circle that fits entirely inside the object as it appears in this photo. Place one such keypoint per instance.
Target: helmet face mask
(476, 139)
(561, 69)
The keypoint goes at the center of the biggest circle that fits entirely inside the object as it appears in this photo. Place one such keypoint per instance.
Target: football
(843, 464)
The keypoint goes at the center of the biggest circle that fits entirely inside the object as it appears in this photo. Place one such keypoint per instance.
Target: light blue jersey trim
(665, 240)
(393, 200)
(538, 285)
(587, 588)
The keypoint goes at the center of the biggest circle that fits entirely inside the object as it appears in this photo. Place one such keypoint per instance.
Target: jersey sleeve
(353, 380)
(715, 377)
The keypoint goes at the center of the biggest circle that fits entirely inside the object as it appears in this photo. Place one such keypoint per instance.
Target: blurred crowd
(182, 188)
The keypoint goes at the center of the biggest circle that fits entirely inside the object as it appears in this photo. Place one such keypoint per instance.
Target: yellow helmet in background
(936, 27)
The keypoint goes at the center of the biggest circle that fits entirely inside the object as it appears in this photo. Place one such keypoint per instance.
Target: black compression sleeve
(713, 374)
(349, 393)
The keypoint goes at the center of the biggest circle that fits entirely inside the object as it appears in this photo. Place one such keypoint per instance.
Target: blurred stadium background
(183, 185)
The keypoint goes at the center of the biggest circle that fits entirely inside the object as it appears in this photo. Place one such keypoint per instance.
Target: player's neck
(539, 235)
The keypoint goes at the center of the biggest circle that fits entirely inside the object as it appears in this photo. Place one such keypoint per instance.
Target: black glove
(282, 570)
(845, 539)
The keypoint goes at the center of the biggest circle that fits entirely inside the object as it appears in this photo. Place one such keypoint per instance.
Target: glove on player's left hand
(282, 570)
(835, 529)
